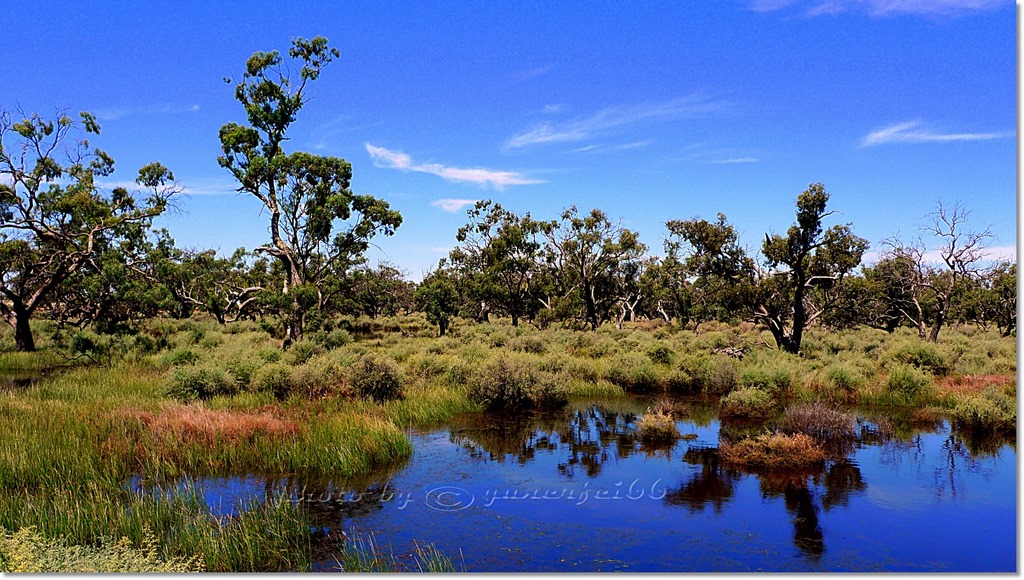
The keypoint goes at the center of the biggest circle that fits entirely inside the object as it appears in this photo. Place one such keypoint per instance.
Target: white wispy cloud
(611, 120)
(114, 114)
(552, 108)
(879, 8)
(194, 186)
(452, 205)
(913, 132)
(604, 148)
(732, 160)
(389, 159)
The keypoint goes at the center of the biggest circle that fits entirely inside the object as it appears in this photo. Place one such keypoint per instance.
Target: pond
(576, 491)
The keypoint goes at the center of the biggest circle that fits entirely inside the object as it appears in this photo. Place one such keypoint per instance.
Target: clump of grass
(181, 356)
(661, 354)
(584, 388)
(510, 384)
(320, 376)
(823, 422)
(377, 377)
(773, 451)
(775, 381)
(657, 427)
(365, 554)
(991, 411)
(194, 424)
(907, 386)
(924, 356)
(528, 343)
(843, 381)
(275, 378)
(747, 404)
(633, 372)
(26, 551)
(301, 351)
(191, 382)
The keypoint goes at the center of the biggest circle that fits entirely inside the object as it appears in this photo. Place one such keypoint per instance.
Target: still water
(576, 491)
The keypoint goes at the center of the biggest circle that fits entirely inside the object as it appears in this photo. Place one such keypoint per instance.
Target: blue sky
(650, 111)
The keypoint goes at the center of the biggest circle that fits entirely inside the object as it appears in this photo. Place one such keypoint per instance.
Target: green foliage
(364, 554)
(203, 381)
(301, 351)
(634, 372)
(747, 404)
(907, 385)
(377, 377)
(776, 381)
(657, 427)
(273, 378)
(26, 551)
(513, 384)
(181, 356)
(661, 354)
(925, 356)
(991, 411)
(438, 298)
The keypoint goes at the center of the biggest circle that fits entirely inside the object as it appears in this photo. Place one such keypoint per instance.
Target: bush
(823, 422)
(661, 354)
(301, 351)
(925, 356)
(992, 410)
(529, 343)
(907, 385)
(273, 378)
(377, 377)
(319, 377)
(724, 378)
(633, 372)
(657, 427)
(188, 383)
(747, 404)
(243, 368)
(337, 339)
(181, 356)
(773, 451)
(844, 380)
(694, 374)
(27, 551)
(775, 381)
(507, 384)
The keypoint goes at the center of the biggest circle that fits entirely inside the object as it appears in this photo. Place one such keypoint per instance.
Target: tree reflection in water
(584, 439)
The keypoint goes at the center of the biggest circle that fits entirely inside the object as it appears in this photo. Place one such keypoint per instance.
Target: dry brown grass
(655, 427)
(773, 451)
(195, 424)
(971, 384)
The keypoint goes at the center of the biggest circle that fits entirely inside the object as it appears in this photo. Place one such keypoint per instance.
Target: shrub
(925, 356)
(775, 381)
(819, 420)
(319, 377)
(724, 378)
(27, 551)
(907, 385)
(507, 384)
(844, 380)
(243, 368)
(747, 404)
(989, 411)
(528, 343)
(192, 382)
(693, 375)
(270, 353)
(274, 378)
(301, 351)
(377, 377)
(657, 427)
(337, 338)
(773, 451)
(661, 354)
(181, 356)
(633, 372)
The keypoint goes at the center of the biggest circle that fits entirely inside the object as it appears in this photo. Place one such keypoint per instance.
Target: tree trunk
(22, 331)
(940, 317)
